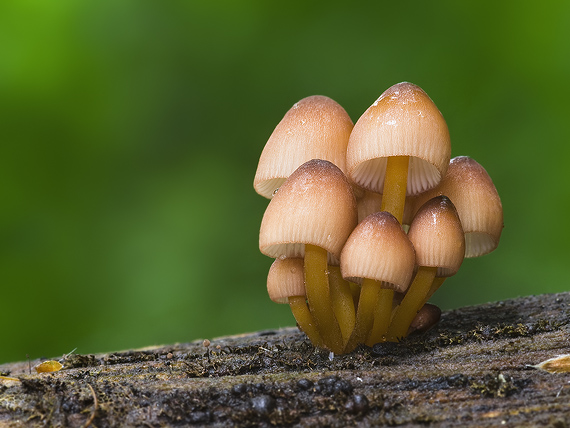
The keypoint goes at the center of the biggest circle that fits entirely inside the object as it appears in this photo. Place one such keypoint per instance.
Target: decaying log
(475, 368)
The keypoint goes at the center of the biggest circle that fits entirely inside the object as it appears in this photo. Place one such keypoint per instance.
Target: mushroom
(379, 255)
(427, 317)
(311, 216)
(478, 204)
(439, 243)
(477, 201)
(399, 146)
(286, 284)
(316, 127)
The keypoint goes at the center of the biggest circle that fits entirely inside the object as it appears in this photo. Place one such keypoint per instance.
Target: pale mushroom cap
(477, 201)
(286, 279)
(403, 121)
(437, 236)
(316, 127)
(379, 249)
(315, 205)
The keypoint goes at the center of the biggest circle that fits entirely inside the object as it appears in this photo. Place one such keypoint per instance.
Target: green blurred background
(130, 133)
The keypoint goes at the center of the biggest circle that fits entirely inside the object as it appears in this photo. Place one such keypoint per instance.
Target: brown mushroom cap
(379, 249)
(477, 201)
(315, 205)
(437, 236)
(427, 317)
(285, 279)
(316, 127)
(403, 121)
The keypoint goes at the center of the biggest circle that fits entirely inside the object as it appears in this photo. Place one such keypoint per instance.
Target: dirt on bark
(475, 368)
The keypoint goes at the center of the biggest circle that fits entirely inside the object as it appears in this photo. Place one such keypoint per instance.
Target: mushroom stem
(395, 183)
(411, 304)
(437, 282)
(304, 319)
(369, 293)
(342, 301)
(382, 315)
(355, 290)
(318, 295)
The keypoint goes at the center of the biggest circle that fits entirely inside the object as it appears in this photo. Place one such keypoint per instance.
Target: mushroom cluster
(366, 220)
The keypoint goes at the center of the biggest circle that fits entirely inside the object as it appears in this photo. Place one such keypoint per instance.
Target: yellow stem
(411, 304)
(365, 313)
(437, 282)
(395, 183)
(342, 302)
(318, 295)
(382, 315)
(304, 319)
(355, 290)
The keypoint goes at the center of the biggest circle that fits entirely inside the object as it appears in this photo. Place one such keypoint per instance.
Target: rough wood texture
(473, 369)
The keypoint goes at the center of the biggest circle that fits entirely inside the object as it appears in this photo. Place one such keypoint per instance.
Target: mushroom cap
(477, 201)
(316, 127)
(286, 279)
(379, 249)
(315, 205)
(427, 317)
(438, 237)
(403, 121)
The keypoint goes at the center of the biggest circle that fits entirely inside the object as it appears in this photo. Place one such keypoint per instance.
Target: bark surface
(475, 368)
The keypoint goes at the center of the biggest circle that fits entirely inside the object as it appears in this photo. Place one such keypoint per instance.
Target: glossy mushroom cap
(316, 127)
(428, 316)
(315, 205)
(285, 279)
(404, 121)
(437, 236)
(379, 249)
(477, 201)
